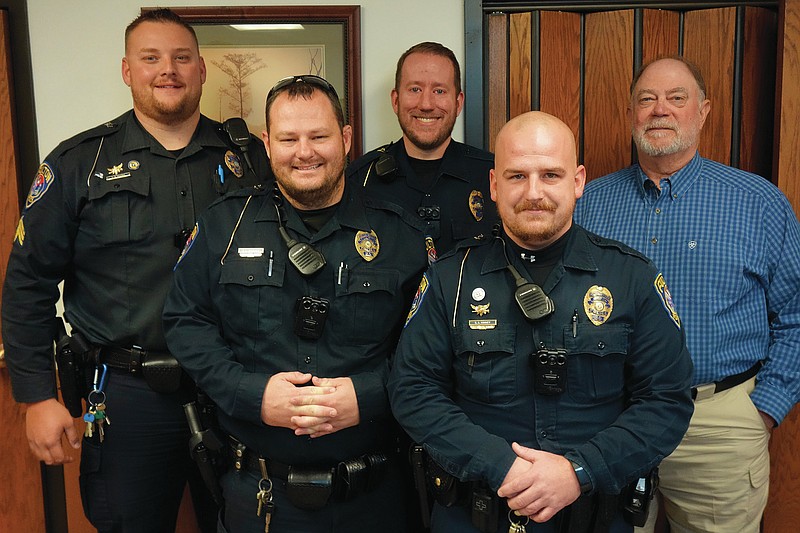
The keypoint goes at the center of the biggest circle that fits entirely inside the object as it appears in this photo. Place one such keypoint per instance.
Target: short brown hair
(299, 86)
(693, 68)
(433, 49)
(162, 16)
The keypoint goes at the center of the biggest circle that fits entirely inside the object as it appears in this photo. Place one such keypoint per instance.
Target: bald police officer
(544, 367)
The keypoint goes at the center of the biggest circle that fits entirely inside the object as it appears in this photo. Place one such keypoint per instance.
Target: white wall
(76, 48)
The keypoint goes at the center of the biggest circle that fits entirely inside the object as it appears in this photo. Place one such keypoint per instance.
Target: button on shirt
(729, 246)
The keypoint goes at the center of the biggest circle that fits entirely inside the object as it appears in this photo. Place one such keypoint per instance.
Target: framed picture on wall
(248, 49)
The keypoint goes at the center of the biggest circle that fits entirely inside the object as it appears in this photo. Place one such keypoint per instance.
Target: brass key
(517, 527)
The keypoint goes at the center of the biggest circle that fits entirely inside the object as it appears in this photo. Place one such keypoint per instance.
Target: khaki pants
(717, 480)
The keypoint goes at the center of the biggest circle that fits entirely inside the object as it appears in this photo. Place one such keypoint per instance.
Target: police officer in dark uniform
(443, 182)
(544, 367)
(285, 308)
(108, 213)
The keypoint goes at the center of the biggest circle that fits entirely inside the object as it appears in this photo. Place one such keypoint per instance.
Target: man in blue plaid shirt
(728, 243)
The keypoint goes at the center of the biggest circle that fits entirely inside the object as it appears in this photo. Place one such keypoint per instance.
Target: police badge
(476, 204)
(233, 164)
(598, 304)
(367, 245)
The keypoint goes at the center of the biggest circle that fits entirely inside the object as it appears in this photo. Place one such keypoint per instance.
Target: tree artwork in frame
(247, 49)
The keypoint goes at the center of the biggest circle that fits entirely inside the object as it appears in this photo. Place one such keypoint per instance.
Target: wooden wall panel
(783, 507)
(519, 65)
(660, 33)
(607, 73)
(758, 91)
(787, 125)
(560, 67)
(716, 64)
(498, 81)
(21, 506)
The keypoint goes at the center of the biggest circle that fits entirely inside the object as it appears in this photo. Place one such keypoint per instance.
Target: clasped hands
(309, 405)
(539, 484)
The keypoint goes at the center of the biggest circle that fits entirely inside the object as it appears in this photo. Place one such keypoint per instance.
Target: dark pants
(133, 481)
(382, 509)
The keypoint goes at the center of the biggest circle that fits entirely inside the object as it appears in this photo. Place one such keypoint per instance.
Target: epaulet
(604, 242)
(365, 160)
(472, 242)
(385, 205)
(94, 133)
(256, 190)
(478, 153)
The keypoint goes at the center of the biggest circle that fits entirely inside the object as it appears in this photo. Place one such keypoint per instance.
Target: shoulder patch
(661, 289)
(418, 298)
(188, 245)
(44, 178)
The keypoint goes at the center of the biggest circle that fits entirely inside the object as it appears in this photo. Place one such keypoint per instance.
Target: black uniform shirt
(230, 317)
(102, 215)
(460, 191)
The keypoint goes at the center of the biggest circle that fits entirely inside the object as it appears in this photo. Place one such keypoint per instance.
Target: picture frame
(249, 48)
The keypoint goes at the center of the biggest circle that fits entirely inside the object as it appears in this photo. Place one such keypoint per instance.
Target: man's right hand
(45, 423)
(284, 398)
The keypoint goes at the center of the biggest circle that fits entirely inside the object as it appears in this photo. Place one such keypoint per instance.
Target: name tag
(251, 252)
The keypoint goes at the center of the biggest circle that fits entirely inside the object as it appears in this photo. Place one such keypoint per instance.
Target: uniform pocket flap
(251, 272)
(135, 182)
(480, 341)
(371, 280)
(597, 340)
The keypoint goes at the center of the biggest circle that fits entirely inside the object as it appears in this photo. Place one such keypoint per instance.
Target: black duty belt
(129, 361)
(701, 392)
(347, 478)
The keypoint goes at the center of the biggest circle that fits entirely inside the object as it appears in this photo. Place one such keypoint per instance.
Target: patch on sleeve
(666, 298)
(42, 182)
(418, 297)
(19, 236)
(188, 245)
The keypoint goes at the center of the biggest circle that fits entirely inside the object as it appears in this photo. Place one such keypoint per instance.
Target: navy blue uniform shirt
(230, 315)
(463, 383)
(102, 215)
(460, 190)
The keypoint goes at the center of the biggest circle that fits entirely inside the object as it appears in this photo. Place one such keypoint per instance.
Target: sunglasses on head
(316, 81)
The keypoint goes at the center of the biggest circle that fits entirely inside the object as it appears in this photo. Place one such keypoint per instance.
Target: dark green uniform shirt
(102, 215)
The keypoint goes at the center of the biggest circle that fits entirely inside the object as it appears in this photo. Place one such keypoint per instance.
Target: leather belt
(129, 361)
(702, 392)
(246, 459)
(347, 478)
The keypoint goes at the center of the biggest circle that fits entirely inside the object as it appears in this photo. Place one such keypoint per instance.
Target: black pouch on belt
(309, 488)
(162, 372)
(444, 486)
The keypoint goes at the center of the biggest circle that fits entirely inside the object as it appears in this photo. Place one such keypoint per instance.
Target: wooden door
(21, 489)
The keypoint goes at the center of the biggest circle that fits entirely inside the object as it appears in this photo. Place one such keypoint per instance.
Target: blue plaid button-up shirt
(728, 243)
